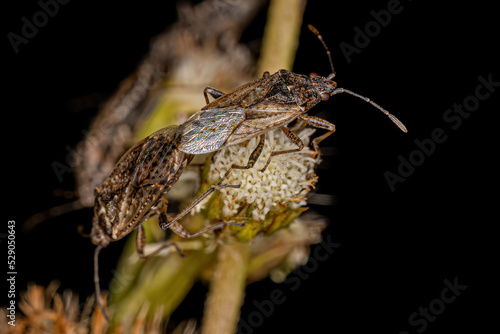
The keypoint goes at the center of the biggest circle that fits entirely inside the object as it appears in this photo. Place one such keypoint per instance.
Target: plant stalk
(227, 289)
(281, 35)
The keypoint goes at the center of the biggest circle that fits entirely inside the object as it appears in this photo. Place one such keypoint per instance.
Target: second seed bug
(134, 191)
(271, 102)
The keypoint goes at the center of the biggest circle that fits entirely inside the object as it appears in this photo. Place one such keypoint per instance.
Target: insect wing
(246, 95)
(207, 130)
(262, 118)
(154, 161)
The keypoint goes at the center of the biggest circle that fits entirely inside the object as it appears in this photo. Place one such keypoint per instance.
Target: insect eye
(325, 96)
(313, 75)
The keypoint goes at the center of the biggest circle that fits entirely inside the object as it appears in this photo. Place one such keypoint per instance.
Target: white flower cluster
(286, 180)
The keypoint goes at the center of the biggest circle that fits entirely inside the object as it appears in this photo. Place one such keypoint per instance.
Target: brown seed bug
(268, 103)
(132, 192)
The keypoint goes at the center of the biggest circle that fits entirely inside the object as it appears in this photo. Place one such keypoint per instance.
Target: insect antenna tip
(399, 124)
(313, 29)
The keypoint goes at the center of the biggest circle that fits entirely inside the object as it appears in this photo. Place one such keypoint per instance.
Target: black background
(397, 247)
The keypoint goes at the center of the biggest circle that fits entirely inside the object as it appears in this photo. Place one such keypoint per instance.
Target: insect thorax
(299, 86)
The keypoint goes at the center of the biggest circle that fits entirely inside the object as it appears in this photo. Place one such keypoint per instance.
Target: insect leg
(253, 157)
(319, 123)
(215, 93)
(141, 242)
(298, 126)
(177, 228)
(166, 222)
(294, 138)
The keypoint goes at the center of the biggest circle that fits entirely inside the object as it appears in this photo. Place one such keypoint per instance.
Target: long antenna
(393, 118)
(59, 210)
(96, 283)
(316, 32)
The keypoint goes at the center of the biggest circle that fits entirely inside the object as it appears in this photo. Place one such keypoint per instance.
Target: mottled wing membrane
(207, 130)
(153, 163)
(146, 172)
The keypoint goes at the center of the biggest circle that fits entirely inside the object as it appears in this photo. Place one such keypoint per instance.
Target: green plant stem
(162, 282)
(281, 36)
(227, 287)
